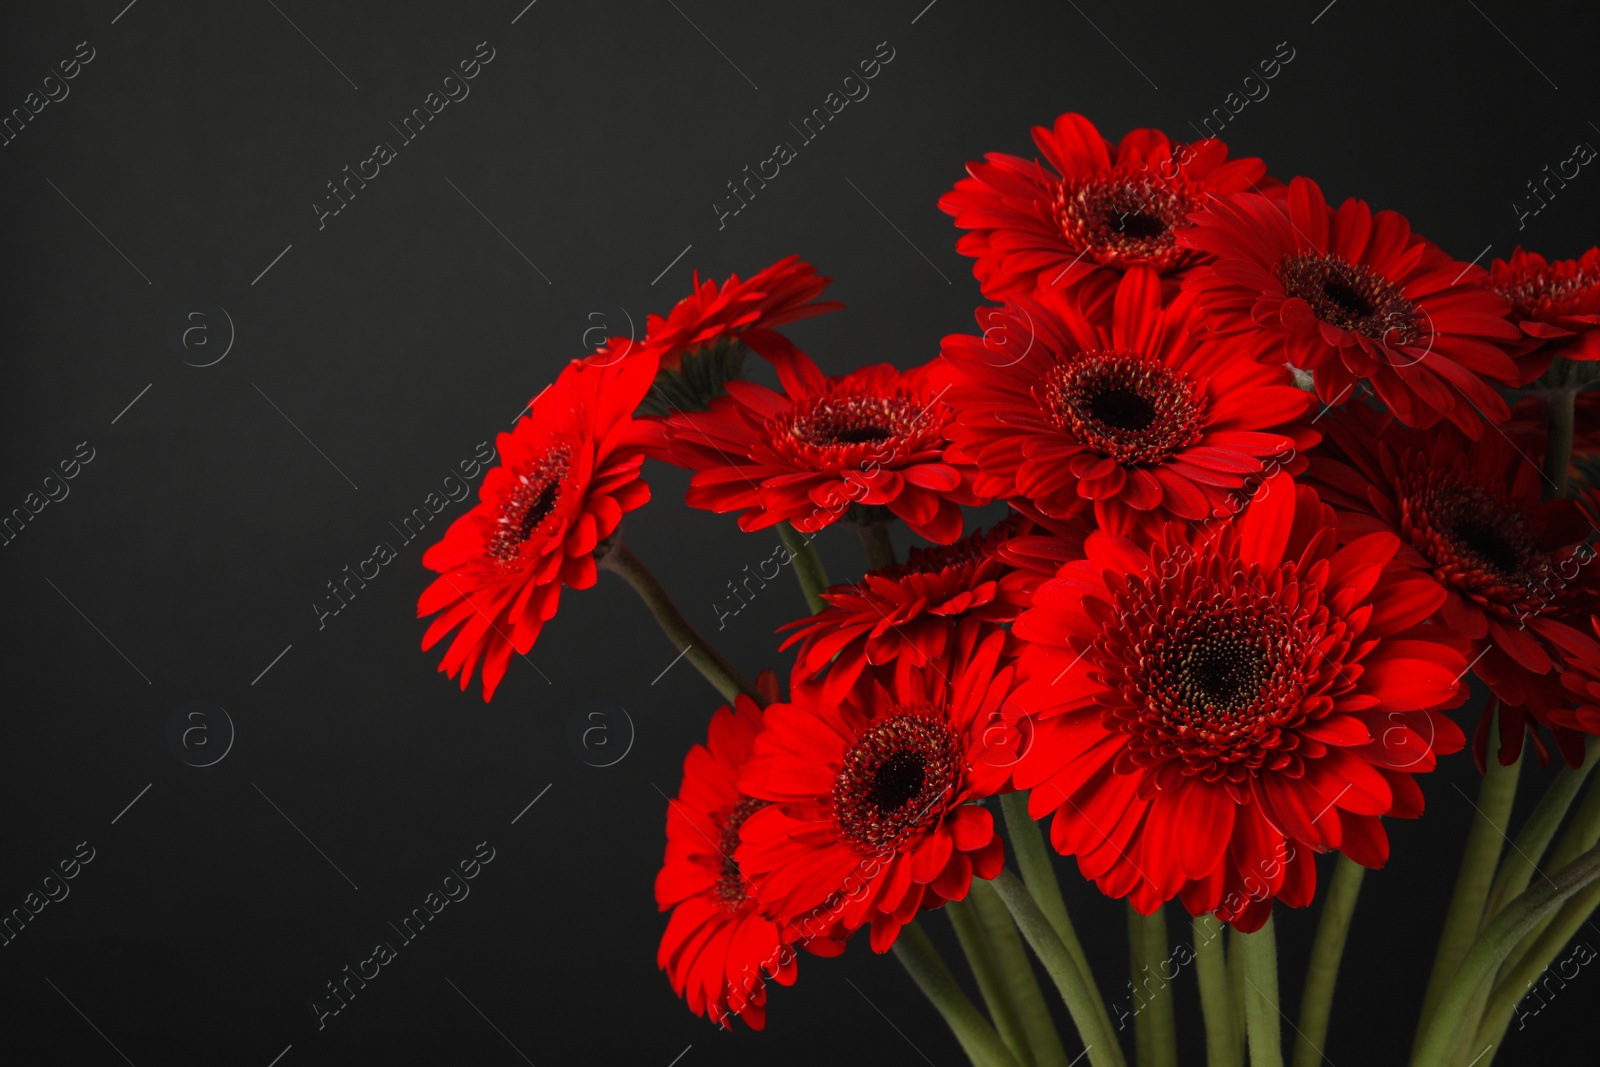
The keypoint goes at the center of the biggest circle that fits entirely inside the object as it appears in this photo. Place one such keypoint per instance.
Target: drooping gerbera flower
(1351, 294)
(700, 345)
(568, 471)
(1556, 304)
(902, 617)
(1212, 711)
(1094, 212)
(718, 950)
(1581, 677)
(1126, 409)
(873, 438)
(1470, 514)
(870, 820)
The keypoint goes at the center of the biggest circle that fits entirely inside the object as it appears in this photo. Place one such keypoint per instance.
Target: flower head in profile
(868, 818)
(1123, 409)
(1092, 210)
(1349, 295)
(700, 344)
(568, 471)
(1212, 711)
(900, 618)
(718, 950)
(1556, 304)
(874, 438)
(1471, 514)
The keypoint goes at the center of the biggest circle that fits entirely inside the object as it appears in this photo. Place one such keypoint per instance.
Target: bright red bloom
(1470, 514)
(903, 617)
(1212, 711)
(869, 818)
(700, 344)
(1350, 295)
(1556, 304)
(718, 950)
(1127, 410)
(873, 438)
(568, 471)
(1095, 211)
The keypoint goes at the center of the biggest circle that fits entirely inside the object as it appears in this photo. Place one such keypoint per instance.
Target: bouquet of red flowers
(1270, 510)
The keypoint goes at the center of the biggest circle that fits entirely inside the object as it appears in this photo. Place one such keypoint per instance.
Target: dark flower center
(848, 426)
(533, 500)
(1561, 288)
(1489, 544)
(1126, 407)
(1351, 297)
(1213, 665)
(899, 777)
(1127, 217)
(852, 420)
(731, 886)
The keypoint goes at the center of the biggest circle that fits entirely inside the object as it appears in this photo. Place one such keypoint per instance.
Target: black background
(191, 548)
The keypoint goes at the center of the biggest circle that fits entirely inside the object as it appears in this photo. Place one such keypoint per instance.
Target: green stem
(1216, 1001)
(980, 957)
(1073, 984)
(1236, 984)
(1559, 418)
(1496, 941)
(880, 548)
(1323, 971)
(1154, 1027)
(1582, 832)
(1478, 860)
(807, 565)
(1260, 952)
(983, 1046)
(1538, 831)
(1039, 872)
(1016, 971)
(723, 675)
(1514, 980)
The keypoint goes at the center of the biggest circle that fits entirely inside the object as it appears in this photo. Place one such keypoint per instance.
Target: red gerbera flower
(1128, 410)
(1556, 304)
(1350, 295)
(1469, 513)
(718, 950)
(1581, 657)
(903, 616)
(700, 344)
(869, 818)
(873, 438)
(1212, 711)
(568, 471)
(1095, 211)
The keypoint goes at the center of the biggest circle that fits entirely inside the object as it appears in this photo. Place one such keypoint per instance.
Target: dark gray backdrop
(176, 178)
